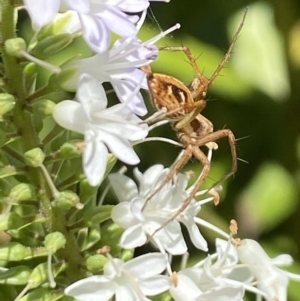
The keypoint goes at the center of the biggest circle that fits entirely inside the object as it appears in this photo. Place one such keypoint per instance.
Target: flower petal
(94, 160)
(95, 288)
(42, 12)
(70, 115)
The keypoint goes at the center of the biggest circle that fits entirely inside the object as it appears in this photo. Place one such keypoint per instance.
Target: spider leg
(229, 51)
(214, 136)
(181, 161)
(205, 171)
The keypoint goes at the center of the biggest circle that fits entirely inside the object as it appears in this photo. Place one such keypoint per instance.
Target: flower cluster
(63, 135)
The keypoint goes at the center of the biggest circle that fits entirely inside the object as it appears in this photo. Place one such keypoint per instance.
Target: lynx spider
(182, 106)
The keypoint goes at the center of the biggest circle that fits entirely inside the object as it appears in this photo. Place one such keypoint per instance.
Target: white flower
(271, 280)
(132, 280)
(210, 282)
(140, 222)
(119, 66)
(105, 129)
(98, 17)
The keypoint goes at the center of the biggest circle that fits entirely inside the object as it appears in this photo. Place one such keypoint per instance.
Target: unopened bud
(95, 263)
(9, 221)
(15, 47)
(22, 192)
(51, 45)
(57, 26)
(34, 157)
(39, 274)
(15, 276)
(7, 103)
(44, 107)
(98, 215)
(14, 251)
(54, 241)
(66, 200)
(72, 149)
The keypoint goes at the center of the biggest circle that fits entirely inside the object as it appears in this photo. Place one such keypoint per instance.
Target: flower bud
(7, 103)
(22, 192)
(66, 200)
(51, 45)
(71, 149)
(98, 215)
(59, 25)
(54, 241)
(15, 47)
(95, 263)
(34, 157)
(9, 221)
(14, 251)
(16, 275)
(39, 274)
(44, 107)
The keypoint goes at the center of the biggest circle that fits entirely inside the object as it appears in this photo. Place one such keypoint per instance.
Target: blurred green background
(257, 96)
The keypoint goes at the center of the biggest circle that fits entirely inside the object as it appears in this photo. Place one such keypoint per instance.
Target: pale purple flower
(104, 129)
(119, 66)
(98, 17)
(132, 280)
(142, 222)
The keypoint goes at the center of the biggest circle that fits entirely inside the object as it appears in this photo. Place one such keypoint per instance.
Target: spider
(182, 106)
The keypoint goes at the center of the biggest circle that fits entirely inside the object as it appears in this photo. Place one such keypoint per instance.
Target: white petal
(95, 32)
(129, 292)
(125, 91)
(117, 21)
(91, 94)
(224, 292)
(155, 285)
(70, 115)
(195, 235)
(121, 148)
(94, 161)
(42, 12)
(121, 215)
(123, 186)
(81, 6)
(133, 237)
(185, 290)
(147, 265)
(95, 288)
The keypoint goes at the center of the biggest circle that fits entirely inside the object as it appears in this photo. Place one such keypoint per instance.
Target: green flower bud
(44, 294)
(22, 192)
(51, 45)
(95, 263)
(15, 276)
(54, 241)
(7, 103)
(127, 254)
(44, 107)
(29, 76)
(34, 157)
(72, 149)
(7, 171)
(9, 221)
(98, 215)
(58, 26)
(66, 200)
(15, 47)
(14, 251)
(39, 274)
